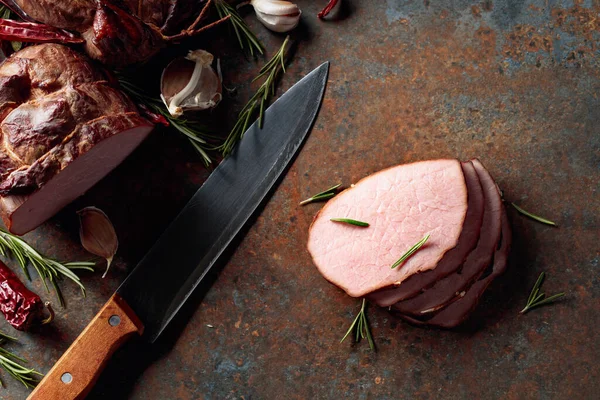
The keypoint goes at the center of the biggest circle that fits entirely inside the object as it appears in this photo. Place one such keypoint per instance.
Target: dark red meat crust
(49, 98)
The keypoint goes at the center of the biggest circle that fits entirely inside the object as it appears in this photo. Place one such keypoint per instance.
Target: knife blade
(154, 292)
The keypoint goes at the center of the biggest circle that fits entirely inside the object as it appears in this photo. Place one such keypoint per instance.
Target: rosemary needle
(361, 324)
(324, 195)
(271, 70)
(47, 268)
(246, 38)
(411, 251)
(351, 222)
(4, 336)
(533, 216)
(536, 298)
(193, 131)
(10, 363)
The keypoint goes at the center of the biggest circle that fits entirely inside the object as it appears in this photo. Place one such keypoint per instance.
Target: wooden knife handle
(75, 373)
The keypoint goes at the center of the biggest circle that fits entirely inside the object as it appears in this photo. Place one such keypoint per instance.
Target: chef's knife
(162, 281)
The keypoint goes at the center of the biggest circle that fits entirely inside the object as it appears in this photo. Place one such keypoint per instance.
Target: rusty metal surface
(512, 82)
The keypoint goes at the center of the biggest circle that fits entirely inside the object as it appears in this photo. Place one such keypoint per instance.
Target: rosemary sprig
(10, 363)
(246, 38)
(533, 216)
(350, 221)
(271, 71)
(196, 133)
(5, 337)
(47, 268)
(411, 251)
(324, 195)
(536, 298)
(362, 327)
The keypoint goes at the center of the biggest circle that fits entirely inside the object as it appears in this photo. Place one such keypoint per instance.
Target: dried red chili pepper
(21, 307)
(327, 9)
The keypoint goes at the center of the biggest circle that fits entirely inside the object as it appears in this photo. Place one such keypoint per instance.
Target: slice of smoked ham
(402, 204)
(453, 259)
(97, 148)
(461, 307)
(446, 289)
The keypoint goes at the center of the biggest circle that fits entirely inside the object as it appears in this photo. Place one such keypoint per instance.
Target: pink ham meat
(63, 127)
(463, 305)
(402, 204)
(453, 259)
(444, 290)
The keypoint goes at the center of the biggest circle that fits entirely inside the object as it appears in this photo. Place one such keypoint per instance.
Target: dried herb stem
(47, 268)
(196, 133)
(350, 222)
(533, 216)
(536, 298)
(324, 195)
(411, 251)
(271, 71)
(361, 325)
(246, 38)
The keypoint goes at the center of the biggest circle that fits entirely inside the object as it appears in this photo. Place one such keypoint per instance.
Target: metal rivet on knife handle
(66, 378)
(114, 320)
(75, 373)
(217, 212)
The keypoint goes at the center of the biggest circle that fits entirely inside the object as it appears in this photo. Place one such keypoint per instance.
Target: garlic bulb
(190, 83)
(277, 15)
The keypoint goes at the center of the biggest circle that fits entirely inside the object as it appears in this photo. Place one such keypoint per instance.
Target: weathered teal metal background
(514, 83)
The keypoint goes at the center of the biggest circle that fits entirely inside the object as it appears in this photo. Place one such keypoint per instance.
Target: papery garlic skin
(202, 91)
(277, 15)
(97, 234)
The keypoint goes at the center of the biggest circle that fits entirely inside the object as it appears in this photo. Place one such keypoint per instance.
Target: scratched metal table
(512, 82)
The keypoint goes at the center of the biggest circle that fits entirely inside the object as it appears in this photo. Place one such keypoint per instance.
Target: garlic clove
(191, 84)
(278, 16)
(97, 234)
(278, 23)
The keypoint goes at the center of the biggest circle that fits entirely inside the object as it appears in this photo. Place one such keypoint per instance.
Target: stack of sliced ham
(457, 204)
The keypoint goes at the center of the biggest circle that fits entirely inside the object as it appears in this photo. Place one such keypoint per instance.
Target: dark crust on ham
(50, 96)
(169, 15)
(445, 290)
(112, 35)
(461, 308)
(453, 259)
(55, 106)
(82, 139)
(71, 14)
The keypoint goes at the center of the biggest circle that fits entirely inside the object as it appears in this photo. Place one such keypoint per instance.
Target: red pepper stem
(328, 8)
(50, 311)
